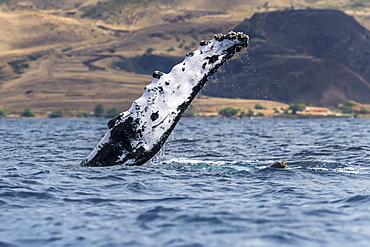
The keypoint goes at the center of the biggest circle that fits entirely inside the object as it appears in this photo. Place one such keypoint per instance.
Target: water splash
(207, 166)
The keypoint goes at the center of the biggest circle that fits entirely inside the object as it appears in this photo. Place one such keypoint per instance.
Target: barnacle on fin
(157, 74)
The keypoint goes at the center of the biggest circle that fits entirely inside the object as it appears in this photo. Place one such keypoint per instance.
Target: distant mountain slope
(301, 56)
(51, 58)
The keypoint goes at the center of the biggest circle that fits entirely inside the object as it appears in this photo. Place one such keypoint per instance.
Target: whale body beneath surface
(135, 136)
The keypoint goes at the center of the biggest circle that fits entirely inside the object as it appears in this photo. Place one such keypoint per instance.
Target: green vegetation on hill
(3, 113)
(296, 107)
(232, 112)
(28, 112)
(229, 111)
(347, 107)
(364, 110)
(112, 112)
(57, 114)
(250, 113)
(258, 107)
(99, 110)
(190, 111)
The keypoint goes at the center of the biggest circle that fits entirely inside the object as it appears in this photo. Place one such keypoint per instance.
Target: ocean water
(210, 186)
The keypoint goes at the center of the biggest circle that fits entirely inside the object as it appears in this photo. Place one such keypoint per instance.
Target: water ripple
(210, 186)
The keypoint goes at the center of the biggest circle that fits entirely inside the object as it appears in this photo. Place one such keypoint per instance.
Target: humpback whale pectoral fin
(136, 135)
(112, 122)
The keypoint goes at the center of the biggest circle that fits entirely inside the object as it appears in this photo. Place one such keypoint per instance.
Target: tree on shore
(347, 107)
(258, 107)
(296, 107)
(56, 114)
(229, 111)
(190, 111)
(3, 113)
(28, 112)
(112, 112)
(362, 111)
(99, 110)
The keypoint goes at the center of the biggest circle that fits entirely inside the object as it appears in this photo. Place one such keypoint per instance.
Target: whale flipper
(135, 136)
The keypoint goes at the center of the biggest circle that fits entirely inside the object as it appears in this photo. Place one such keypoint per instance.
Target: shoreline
(286, 116)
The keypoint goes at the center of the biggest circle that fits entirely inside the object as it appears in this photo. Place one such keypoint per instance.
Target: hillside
(302, 56)
(73, 54)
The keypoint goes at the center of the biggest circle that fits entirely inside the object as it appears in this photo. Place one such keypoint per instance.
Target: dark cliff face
(301, 56)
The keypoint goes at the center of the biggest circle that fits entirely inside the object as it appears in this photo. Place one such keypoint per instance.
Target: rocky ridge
(302, 56)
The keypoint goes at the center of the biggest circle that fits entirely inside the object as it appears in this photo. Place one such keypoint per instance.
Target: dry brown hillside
(71, 54)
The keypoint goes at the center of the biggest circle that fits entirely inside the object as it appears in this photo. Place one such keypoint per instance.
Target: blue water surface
(210, 186)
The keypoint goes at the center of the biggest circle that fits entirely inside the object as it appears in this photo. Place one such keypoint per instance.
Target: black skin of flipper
(122, 135)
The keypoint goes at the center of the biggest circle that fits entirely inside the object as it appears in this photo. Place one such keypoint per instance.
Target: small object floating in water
(135, 136)
(279, 164)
